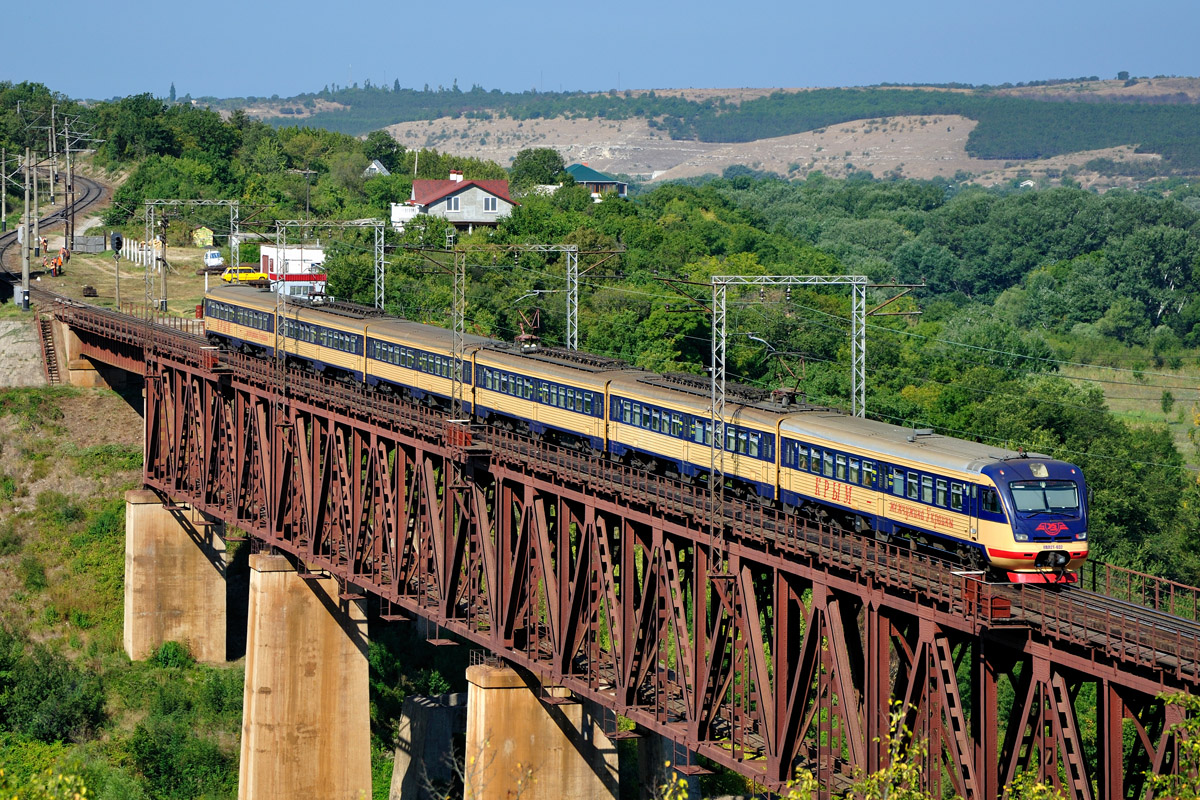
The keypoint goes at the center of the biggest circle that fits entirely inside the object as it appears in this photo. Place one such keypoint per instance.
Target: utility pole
(53, 154)
(37, 242)
(3, 189)
(69, 193)
(25, 242)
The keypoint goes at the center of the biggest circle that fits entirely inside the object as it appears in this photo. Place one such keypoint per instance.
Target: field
(1138, 399)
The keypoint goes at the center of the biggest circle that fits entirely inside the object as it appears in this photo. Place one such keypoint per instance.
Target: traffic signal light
(116, 241)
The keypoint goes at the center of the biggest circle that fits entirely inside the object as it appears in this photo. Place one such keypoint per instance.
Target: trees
(536, 166)
(381, 146)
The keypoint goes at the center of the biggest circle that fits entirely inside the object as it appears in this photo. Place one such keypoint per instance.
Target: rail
(1160, 594)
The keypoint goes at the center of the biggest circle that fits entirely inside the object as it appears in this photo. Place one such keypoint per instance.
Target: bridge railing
(1160, 594)
(1130, 632)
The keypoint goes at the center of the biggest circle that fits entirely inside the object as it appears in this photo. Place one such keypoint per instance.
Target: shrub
(10, 540)
(172, 655)
(32, 573)
(178, 764)
(51, 700)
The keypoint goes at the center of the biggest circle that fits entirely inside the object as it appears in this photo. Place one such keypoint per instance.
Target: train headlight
(1021, 537)
(1081, 536)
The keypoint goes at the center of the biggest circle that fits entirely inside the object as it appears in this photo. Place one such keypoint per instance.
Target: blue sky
(223, 48)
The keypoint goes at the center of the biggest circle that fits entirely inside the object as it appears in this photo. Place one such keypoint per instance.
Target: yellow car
(243, 274)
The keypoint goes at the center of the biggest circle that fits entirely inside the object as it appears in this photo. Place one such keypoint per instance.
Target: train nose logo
(1051, 528)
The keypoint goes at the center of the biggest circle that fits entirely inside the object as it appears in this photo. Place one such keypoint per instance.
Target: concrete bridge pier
(306, 724)
(533, 744)
(175, 572)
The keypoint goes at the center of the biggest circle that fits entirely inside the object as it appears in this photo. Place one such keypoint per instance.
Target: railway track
(88, 193)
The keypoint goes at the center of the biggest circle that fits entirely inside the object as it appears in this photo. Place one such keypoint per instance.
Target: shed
(202, 236)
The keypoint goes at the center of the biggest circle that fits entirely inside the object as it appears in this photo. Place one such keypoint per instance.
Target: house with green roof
(597, 183)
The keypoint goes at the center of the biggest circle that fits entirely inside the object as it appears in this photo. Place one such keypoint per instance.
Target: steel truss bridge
(780, 646)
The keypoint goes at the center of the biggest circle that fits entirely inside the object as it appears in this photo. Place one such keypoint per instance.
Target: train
(1016, 516)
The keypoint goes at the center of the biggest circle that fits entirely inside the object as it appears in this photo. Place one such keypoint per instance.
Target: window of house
(489, 204)
(452, 203)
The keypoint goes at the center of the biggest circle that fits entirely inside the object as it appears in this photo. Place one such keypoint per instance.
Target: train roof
(420, 334)
(896, 441)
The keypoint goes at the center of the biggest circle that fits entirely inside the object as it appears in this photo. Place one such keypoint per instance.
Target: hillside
(1099, 133)
(908, 147)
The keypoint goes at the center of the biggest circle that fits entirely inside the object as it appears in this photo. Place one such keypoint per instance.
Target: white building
(301, 269)
(466, 204)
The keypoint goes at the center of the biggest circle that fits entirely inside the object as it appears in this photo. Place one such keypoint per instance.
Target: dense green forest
(1023, 290)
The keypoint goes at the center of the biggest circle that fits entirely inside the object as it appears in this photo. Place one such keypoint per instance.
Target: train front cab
(1034, 524)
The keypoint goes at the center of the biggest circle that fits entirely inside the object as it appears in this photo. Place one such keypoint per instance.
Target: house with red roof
(466, 204)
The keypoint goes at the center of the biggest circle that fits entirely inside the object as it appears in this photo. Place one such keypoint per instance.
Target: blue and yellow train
(1015, 513)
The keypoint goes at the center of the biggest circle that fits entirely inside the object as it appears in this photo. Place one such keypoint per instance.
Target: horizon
(765, 44)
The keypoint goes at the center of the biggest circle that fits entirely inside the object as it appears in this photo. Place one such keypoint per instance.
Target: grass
(185, 289)
(1137, 398)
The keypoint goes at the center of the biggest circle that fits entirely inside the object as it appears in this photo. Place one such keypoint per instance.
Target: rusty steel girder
(780, 647)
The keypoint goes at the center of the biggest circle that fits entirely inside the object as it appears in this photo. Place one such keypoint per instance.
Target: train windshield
(1056, 497)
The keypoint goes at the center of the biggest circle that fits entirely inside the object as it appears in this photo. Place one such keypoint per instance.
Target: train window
(801, 457)
(913, 484)
(587, 404)
(730, 438)
(868, 473)
(814, 461)
(755, 445)
(637, 416)
(956, 496)
(941, 492)
(742, 444)
(655, 420)
(841, 468)
(898, 482)
(676, 424)
(990, 502)
(926, 489)
(543, 393)
(708, 434)
(697, 431)
(854, 470)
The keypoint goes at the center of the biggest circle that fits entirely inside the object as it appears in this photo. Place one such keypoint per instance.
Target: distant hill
(1153, 123)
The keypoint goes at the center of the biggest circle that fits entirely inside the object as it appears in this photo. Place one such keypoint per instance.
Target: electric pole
(69, 192)
(3, 189)
(25, 241)
(53, 154)
(37, 209)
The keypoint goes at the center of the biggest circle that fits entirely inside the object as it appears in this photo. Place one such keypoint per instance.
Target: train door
(973, 501)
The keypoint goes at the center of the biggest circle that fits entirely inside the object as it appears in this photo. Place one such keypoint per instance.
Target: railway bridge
(764, 644)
